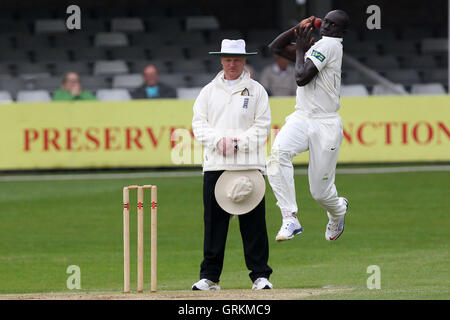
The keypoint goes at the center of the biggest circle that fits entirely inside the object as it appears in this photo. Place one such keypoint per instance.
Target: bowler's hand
(303, 37)
(308, 22)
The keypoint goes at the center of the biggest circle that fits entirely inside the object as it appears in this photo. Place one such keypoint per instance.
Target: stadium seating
(202, 23)
(350, 76)
(405, 47)
(36, 13)
(382, 63)
(437, 45)
(380, 90)
(427, 89)
(412, 33)
(436, 75)
(188, 93)
(47, 55)
(30, 68)
(50, 84)
(71, 40)
(95, 25)
(28, 41)
(127, 81)
(127, 25)
(5, 42)
(111, 39)
(381, 35)
(107, 12)
(215, 36)
(5, 97)
(33, 96)
(115, 44)
(129, 53)
(261, 36)
(16, 27)
(165, 25)
(213, 63)
(259, 62)
(113, 95)
(354, 90)
(175, 79)
(14, 55)
(61, 67)
(200, 51)
(90, 54)
(419, 62)
(93, 83)
(148, 39)
(110, 67)
(191, 38)
(13, 85)
(5, 69)
(202, 79)
(148, 11)
(406, 76)
(362, 48)
(138, 65)
(167, 52)
(193, 66)
(50, 26)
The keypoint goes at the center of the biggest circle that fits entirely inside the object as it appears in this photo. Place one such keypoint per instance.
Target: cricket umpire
(232, 121)
(315, 125)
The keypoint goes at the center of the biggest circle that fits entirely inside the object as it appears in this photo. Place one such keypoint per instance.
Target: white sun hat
(233, 48)
(239, 192)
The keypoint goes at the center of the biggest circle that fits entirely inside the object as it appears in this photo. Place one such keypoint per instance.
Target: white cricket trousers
(322, 136)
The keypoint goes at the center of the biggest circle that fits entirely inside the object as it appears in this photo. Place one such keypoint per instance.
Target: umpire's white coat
(239, 111)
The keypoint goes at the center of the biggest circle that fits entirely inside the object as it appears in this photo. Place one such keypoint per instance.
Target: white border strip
(197, 173)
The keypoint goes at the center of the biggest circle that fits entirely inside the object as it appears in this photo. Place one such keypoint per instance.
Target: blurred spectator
(71, 89)
(152, 88)
(279, 79)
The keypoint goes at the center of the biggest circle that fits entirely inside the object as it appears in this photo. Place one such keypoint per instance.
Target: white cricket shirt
(236, 109)
(321, 94)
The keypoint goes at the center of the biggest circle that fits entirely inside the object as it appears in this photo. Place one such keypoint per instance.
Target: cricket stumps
(140, 237)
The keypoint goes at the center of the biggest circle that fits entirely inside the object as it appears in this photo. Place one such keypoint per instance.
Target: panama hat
(239, 192)
(233, 48)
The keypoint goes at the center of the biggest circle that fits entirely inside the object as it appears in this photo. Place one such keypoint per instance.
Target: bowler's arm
(305, 71)
(283, 46)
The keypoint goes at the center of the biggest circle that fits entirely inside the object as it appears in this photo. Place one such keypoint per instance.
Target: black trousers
(216, 221)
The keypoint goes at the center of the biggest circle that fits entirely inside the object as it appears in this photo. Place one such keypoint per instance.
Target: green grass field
(399, 222)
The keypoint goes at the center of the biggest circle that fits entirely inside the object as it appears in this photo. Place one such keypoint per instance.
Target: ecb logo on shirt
(318, 55)
(245, 106)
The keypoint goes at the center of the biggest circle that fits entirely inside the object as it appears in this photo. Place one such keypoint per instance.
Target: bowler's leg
(323, 156)
(291, 140)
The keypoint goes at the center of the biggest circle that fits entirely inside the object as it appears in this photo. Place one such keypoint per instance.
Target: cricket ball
(317, 23)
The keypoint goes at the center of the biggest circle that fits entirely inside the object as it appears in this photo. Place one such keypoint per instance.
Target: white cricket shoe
(261, 283)
(205, 285)
(290, 228)
(336, 228)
